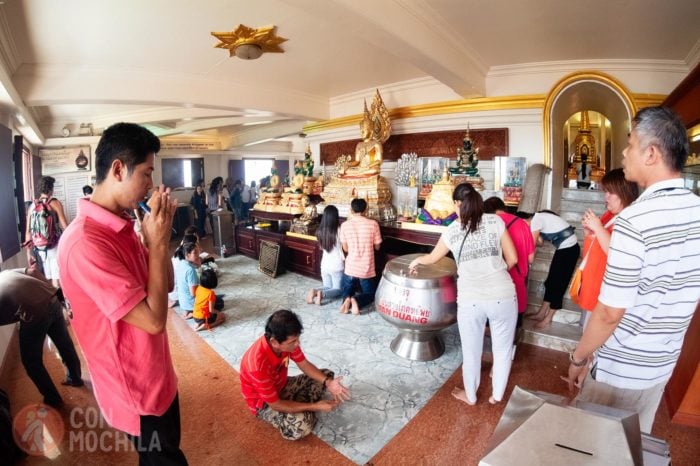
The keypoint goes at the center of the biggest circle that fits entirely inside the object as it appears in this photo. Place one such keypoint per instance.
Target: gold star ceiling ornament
(250, 43)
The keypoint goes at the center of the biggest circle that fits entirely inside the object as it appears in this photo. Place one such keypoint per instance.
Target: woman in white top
(484, 252)
(333, 260)
(548, 226)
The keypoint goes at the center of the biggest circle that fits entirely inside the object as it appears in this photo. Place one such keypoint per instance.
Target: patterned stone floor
(387, 391)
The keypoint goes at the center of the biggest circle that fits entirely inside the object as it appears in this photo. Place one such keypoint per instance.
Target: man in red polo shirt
(118, 290)
(288, 403)
(360, 237)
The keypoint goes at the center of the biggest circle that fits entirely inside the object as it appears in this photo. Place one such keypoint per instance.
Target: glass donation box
(509, 177)
(430, 172)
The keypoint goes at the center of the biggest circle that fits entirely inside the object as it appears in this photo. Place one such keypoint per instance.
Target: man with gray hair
(652, 280)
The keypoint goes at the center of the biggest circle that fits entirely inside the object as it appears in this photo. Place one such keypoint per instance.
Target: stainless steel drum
(419, 305)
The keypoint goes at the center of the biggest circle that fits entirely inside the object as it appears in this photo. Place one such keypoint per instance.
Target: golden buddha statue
(375, 129)
(359, 176)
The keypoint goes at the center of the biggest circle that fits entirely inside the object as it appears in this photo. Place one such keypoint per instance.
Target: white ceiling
(63, 63)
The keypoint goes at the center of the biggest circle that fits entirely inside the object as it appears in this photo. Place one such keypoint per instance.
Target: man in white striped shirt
(652, 279)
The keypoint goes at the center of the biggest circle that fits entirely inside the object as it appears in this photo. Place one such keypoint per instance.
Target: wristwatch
(576, 363)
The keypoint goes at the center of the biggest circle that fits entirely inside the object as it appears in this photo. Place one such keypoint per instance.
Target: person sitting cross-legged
(288, 403)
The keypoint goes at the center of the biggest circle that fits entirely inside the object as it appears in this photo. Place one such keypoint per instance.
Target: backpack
(42, 225)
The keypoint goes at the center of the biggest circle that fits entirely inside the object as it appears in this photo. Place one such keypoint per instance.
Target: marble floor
(384, 398)
(432, 427)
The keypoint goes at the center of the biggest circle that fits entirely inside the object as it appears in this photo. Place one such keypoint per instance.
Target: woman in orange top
(619, 193)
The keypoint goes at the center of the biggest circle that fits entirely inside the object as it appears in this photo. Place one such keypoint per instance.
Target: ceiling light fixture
(249, 43)
(248, 51)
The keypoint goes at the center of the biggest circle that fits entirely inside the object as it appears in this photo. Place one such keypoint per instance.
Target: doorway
(579, 91)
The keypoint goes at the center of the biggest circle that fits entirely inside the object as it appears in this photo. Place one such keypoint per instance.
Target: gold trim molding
(534, 101)
(439, 108)
(649, 100)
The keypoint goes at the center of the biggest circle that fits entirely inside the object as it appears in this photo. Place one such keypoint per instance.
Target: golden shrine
(277, 199)
(585, 158)
(360, 177)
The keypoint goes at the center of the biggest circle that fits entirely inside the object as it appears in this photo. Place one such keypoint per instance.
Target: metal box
(224, 241)
(541, 429)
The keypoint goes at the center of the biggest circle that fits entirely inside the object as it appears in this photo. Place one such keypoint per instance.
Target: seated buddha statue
(374, 128)
(368, 155)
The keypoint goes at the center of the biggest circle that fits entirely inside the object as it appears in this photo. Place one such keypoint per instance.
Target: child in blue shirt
(186, 277)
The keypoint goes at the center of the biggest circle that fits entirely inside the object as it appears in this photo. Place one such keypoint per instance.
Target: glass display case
(429, 172)
(509, 177)
(406, 202)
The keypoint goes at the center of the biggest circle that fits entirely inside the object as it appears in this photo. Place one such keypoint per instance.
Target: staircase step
(568, 207)
(587, 195)
(564, 332)
(558, 336)
(563, 316)
(534, 298)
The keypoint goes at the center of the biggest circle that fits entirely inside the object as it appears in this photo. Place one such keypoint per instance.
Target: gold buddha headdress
(381, 124)
(366, 122)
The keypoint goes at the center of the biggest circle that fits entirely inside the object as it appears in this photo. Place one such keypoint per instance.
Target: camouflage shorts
(303, 389)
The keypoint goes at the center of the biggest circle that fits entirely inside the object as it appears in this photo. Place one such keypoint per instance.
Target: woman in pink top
(524, 245)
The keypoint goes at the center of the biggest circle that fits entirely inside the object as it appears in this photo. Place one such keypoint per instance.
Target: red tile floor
(217, 428)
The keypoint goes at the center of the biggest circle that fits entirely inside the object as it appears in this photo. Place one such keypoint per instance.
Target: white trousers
(502, 315)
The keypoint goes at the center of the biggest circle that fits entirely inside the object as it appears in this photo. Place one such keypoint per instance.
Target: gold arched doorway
(583, 90)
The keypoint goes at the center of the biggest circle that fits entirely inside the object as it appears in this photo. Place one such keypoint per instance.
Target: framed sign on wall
(65, 159)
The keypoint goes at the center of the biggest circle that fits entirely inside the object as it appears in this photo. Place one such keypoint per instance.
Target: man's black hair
(127, 142)
(358, 206)
(282, 325)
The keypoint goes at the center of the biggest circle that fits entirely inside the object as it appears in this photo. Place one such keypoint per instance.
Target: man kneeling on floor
(286, 403)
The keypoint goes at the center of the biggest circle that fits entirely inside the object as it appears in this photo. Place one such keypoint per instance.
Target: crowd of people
(639, 281)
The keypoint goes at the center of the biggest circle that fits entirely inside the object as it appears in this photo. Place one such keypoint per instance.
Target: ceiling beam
(54, 84)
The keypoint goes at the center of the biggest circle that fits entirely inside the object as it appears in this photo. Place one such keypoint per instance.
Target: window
(182, 173)
(255, 169)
